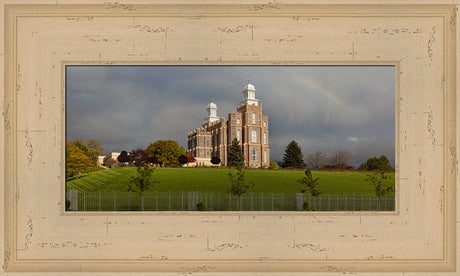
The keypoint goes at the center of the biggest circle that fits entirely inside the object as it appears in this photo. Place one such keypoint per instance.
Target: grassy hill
(216, 179)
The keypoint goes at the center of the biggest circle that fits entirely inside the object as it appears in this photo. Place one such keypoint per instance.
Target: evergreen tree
(239, 185)
(309, 184)
(235, 154)
(293, 157)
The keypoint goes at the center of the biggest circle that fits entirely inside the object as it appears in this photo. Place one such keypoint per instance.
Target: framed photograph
(42, 40)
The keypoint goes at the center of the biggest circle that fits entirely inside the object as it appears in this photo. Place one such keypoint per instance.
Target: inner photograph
(230, 138)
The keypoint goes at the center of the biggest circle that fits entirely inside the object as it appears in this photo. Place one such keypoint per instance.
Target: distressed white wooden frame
(39, 40)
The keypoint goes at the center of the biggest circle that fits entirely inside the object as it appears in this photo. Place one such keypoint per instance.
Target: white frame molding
(419, 39)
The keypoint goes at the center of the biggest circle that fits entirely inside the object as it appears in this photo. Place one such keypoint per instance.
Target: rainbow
(316, 86)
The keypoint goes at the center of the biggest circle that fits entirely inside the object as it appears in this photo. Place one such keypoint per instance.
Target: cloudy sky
(323, 108)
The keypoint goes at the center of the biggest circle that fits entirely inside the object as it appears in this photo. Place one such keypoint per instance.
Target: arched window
(265, 156)
(238, 120)
(265, 138)
(238, 135)
(253, 117)
(253, 136)
(254, 154)
(207, 142)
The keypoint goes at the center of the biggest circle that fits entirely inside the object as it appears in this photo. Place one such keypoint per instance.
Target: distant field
(217, 180)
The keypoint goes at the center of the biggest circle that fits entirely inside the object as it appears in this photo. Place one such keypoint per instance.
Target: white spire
(212, 112)
(249, 94)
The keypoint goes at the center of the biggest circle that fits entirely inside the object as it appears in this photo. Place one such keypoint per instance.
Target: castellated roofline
(238, 108)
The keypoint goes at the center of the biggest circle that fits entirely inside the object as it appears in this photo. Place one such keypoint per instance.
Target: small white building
(112, 155)
(100, 160)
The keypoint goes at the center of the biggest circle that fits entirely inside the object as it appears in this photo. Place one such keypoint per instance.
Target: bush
(274, 165)
(200, 206)
(305, 206)
(183, 159)
(215, 160)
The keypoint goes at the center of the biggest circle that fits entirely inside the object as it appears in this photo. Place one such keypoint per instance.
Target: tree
(95, 147)
(79, 158)
(166, 151)
(238, 184)
(77, 161)
(340, 159)
(152, 159)
(235, 154)
(309, 184)
(293, 157)
(381, 187)
(138, 157)
(317, 160)
(273, 165)
(374, 163)
(215, 160)
(142, 182)
(123, 157)
(191, 159)
(183, 159)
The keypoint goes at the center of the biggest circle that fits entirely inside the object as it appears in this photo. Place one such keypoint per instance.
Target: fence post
(345, 196)
(328, 202)
(353, 198)
(369, 196)
(114, 206)
(385, 203)
(262, 199)
(229, 201)
(129, 201)
(252, 206)
(182, 201)
(299, 201)
(336, 202)
(99, 199)
(72, 197)
(218, 201)
(282, 202)
(272, 200)
(84, 200)
(362, 202)
(210, 201)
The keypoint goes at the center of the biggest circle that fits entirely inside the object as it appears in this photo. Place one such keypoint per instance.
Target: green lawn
(217, 180)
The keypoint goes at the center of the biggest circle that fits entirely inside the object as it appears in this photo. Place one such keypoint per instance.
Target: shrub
(199, 206)
(274, 165)
(215, 160)
(183, 159)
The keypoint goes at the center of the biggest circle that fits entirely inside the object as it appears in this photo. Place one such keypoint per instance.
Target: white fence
(215, 201)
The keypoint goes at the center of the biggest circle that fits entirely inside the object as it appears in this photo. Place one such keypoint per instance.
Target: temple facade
(247, 124)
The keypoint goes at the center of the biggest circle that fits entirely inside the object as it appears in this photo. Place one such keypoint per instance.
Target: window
(207, 153)
(265, 138)
(265, 156)
(207, 142)
(253, 117)
(253, 136)
(265, 123)
(238, 135)
(254, 154)
(238, 120)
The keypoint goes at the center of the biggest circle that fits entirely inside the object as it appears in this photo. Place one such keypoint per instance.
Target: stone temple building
(247, 124)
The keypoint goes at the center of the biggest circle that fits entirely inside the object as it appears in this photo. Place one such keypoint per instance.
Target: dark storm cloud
(323, 108)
